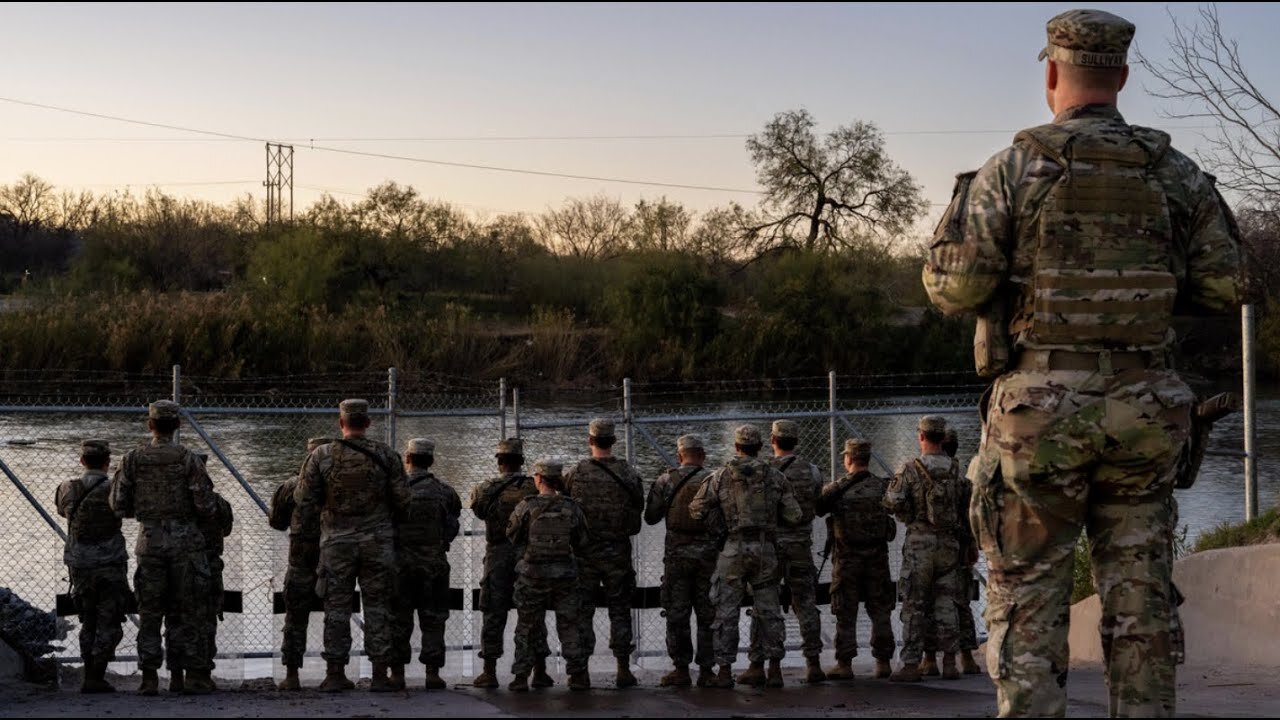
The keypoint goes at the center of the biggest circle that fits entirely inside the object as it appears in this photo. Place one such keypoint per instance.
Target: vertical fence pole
(392, 399)
(502, 409)
(515, 408)
(177, 395)
(831, 391)
(1250, 405)
(626, 419)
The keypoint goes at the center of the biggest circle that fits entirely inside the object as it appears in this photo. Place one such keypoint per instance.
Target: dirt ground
(1202, 693)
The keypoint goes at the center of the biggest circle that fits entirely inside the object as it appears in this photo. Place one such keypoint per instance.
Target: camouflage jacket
(88, 494)
(522, 519)
(908, 497)
(424, 535)
(719, 494)
(495, 499)
(386, 494)
(859, 520)
(612, 499)
(806, 485)
(684, 536)
(180, 533)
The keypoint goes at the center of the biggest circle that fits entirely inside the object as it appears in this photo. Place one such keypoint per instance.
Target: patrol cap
(95, 447)
(932, 423)
(786, 429)
(354, 407)
(747, 435)
(316, 442)
(601, 428)
(1089, 38)
(548, 468)
(163, 409)
(857, 449)
(688, 442)
(419, 446)
(510, 446)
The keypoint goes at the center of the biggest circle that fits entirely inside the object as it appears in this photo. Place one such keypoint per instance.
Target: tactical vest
(282, 505)
(860, 518)
(424, 527)
(941, 496)
(1101, 278)
(607, 505)
(678, 517)
(751, 503)
(550, 532)
(354, 485)
(800, 474)
(160, 484)
(94, 521)
(217, 527)
(495, 523)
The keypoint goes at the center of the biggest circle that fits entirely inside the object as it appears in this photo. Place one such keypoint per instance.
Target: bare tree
(828, 193)
(591, 227)
(31, 201)
(659, 225)
(1205, 79)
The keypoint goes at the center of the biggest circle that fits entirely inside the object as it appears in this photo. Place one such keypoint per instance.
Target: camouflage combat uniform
(214, 529)
(96, 560)
(927, 497)
(548, 531)
(304, 558)
(422, 546)
(861, 531)
(753, 498)
(612, 500)
(1085, 426)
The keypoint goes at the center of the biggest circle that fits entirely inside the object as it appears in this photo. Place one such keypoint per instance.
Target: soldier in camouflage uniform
(1076, 245)
(215, 530)
(422, 547)
(688, 562)
(300, 578)
(612, 499)
(356, 486)
(97, 562)
(927, 496)
(548, 531)
(754, 499)
(861, 531)
(493, 501)
(165, 486)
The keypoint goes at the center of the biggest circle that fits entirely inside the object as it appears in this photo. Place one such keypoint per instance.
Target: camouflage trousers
(1064, 451)
(534, 597)
(747, 564)
(424, 591)
(863, 576)
(208, 622)
(966, 629)
(371, 561)
(800, 575)
(497, 600)
(607, 565)
(927, 585)
(100, 594)
(686, 592)
(299, 597)
(173, 591)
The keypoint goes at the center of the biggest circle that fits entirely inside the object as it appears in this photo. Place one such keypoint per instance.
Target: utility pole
(279, 182)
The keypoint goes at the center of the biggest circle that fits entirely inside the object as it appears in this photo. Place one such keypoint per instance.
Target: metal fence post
(392, 392)
(831, 391)
(177, 396)
(626, 419)
(502, 409)
(1250, 405)
(515, 408)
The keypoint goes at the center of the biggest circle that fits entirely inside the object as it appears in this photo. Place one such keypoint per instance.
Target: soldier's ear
(1124, 77)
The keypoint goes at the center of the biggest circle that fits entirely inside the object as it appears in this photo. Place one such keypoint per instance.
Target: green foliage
(663, 309)
(296, 267)
(1265, 528)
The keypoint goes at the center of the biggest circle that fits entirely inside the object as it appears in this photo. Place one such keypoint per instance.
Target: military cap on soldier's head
(419, 446)
(858, 449)
(163, 409)
(601, 428)
(314, 443)
(688, 442)
(547, 468)
(353, 407)
(747, 435)
(510, 446)
(1090, 38)
(932, 423)
(786, 429)
(95, 447)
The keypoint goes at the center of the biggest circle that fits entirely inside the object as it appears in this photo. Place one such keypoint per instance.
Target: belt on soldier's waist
(1106, 362)
(754, 534)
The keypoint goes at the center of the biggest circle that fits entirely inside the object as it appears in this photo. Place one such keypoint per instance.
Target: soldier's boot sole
(520, 683)
(540, 678)
(842, 671)
(199, 683)
(150, 686)
(883, 670)
(813, 673)
(968, 665)
(433, 680)
(678, 677)
(907, 673)
(381, 683)
(706, 677)
(290, 683)
(95, 680)
(488, 678)
(774, 680)
(753, 676)
(724, 679)
(335, 680)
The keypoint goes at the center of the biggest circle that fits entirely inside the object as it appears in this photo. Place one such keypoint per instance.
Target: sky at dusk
(504, 85)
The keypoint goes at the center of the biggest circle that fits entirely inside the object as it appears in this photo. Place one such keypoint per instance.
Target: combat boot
(814, 672)
(177, 682)
(753, 676)
(434, 681)
(95, 678)
(949, 669)
(883, 670)
(520, 683)
(580, 681)
(906, 673)
(397, 676)
(775, 674)
(199, 682)
(678, 677)
(488, 678)
(335, 678)
(290, 683)
(540, 677)
(624, 679)
(842, 671)
(967, 663)
(706, 676)
(150, 683)
(929, 665)
(380, 682)
(724, 679)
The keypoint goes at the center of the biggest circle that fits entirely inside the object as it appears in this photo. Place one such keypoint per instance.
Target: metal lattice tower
(279, 182)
